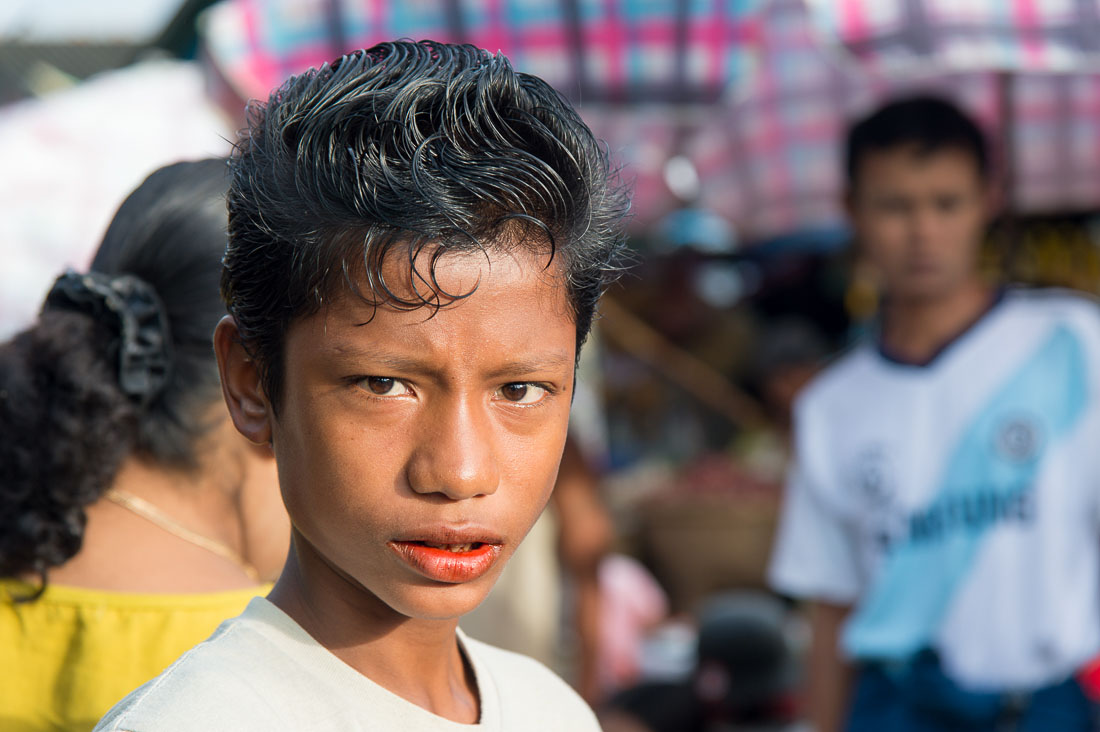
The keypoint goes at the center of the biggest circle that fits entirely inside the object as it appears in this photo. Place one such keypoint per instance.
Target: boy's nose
(456, 456)
(924, 225)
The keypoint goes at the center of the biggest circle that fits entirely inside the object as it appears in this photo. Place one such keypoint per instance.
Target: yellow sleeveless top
(69, 656)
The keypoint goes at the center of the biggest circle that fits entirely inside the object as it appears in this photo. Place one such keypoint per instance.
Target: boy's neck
(916, 330)
(419, 660)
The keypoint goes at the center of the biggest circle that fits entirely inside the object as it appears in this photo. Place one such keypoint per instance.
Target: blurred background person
(133, 517)
(941, 516)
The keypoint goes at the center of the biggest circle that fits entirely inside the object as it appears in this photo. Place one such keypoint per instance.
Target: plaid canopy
(1032, 35)
(591, 50)
(756, 94)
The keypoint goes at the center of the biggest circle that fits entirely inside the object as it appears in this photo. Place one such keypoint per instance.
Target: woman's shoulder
(69, 620)
(75, 651)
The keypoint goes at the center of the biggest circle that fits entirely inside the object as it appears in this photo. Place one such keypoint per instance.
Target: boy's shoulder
(261, 671)
(1057, 304)
(528, 690)
(844, 374)
(847, 373)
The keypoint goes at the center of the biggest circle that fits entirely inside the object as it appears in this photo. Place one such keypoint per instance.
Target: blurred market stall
(93, 99)
(733, 109)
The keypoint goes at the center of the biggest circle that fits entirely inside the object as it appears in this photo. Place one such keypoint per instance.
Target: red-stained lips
(448, 555)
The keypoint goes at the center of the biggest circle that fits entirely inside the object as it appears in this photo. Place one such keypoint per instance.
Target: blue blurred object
(696, 228)
(813, 240)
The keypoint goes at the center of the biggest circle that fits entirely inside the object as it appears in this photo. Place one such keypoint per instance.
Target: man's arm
(829, 675)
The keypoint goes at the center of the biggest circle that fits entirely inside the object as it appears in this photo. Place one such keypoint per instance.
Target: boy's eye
(384, 386)
(523, 393)
(947, 204)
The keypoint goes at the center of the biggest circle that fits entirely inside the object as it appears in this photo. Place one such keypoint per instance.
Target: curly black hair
(409, 146)
(66, 425)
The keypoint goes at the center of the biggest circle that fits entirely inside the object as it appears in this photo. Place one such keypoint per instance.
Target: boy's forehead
(433, 276)
(423, 288)
(515, 323)
(888, 165)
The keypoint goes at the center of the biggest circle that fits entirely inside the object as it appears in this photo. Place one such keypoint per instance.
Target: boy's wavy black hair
(409, 147)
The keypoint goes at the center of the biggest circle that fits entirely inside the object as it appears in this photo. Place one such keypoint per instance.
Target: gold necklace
(153, 514)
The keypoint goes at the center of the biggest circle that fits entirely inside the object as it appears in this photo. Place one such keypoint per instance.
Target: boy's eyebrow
(541, 362)
(410, 364)
(391, 361)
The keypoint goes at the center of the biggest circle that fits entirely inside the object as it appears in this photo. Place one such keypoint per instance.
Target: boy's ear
(240, 376)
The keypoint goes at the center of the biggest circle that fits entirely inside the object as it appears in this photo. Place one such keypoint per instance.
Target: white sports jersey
(957, 505)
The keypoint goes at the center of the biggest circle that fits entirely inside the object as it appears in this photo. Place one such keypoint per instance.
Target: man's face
(919, 219)
(402, 430)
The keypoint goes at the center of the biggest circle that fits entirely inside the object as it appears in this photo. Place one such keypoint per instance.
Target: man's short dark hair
(417, 147)
(929, 124)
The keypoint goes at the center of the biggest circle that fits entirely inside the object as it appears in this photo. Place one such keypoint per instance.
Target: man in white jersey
(942, 512)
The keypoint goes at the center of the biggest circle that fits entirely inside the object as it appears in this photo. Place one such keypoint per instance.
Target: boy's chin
(926, 286)
(442, 602)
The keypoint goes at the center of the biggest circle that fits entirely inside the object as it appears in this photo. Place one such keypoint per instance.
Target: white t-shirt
(955, 505)
(261, 671)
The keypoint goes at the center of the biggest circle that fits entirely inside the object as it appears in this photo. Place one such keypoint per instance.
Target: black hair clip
(131, 307)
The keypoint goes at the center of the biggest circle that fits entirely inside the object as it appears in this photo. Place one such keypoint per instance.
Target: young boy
(942, 512)
(418, 236)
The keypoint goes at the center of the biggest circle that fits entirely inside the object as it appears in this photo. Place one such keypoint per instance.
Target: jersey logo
(1019, 438)
(874, 474)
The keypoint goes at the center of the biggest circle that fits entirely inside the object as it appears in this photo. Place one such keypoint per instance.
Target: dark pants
(918, 697)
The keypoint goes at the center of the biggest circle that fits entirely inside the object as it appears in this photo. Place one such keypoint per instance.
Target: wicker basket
(700, 544)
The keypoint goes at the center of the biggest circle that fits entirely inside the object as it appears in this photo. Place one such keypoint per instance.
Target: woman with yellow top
(133, 517)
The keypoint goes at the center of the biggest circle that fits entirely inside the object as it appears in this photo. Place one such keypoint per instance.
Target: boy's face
(919, 219)
(401, 430)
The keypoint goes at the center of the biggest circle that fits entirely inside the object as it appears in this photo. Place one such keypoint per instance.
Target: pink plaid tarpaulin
(769, 153)
(974, 35)
(591, 50)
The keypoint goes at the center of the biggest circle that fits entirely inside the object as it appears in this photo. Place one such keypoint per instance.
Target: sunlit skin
(919, 220)
(394, 425)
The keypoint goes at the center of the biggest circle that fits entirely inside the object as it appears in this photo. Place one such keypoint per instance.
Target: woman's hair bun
(130, 308)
